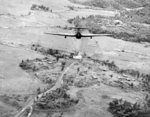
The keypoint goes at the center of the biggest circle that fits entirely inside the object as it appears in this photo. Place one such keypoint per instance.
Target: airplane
(78, 34)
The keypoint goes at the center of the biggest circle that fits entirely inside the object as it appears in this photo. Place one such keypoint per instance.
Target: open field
(95, 84)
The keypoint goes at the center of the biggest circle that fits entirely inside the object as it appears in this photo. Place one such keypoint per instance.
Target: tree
(121, 108)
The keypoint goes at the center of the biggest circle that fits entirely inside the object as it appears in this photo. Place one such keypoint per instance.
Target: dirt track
(57, 85)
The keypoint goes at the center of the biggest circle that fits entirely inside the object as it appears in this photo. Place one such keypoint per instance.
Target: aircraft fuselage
(78, 35)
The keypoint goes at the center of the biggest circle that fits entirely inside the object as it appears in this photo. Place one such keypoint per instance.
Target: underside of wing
(95, 35)
(61, 34)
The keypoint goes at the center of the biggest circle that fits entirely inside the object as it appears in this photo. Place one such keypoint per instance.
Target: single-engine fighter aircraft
(78, 34)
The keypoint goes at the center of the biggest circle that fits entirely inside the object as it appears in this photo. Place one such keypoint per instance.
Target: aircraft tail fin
(78, 28)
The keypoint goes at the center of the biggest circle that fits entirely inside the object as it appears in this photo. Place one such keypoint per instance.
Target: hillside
(113, 4)
(140, 15)
(130, 24)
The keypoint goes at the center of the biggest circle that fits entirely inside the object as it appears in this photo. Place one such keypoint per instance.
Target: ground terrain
(95, 87)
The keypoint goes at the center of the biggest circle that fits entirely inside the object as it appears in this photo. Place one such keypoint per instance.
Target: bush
(33, 7)
(70, 21)
(121, 108)
(39, 7)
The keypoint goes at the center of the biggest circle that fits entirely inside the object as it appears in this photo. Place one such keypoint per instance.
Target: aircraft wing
(95, 35)
(61, 34)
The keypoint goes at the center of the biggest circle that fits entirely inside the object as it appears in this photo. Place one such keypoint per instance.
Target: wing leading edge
(61, 34)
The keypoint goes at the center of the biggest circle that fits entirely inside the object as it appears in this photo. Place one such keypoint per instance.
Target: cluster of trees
(131, 72)
(68, 80)
(113, 4)
(120, 108)
(50, 51)
(141, 15)
(76, 21)
(34, 66)
(28, 65)
(112, 66)
(81, 83)
(57, 99)
(39, 7)
(99, 25)
(146, 81)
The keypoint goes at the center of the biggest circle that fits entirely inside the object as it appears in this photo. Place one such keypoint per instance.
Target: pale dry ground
(13, 79)
(21, 28)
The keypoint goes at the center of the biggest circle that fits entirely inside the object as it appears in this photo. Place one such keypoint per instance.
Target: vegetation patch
(47, 69)
(145, 78)
(43, 69)
(39, 7)
(120, 108)
(113, 4)
(16, 101)
(121, 27)
(51, 52)
(56, 100)
(141, 15)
